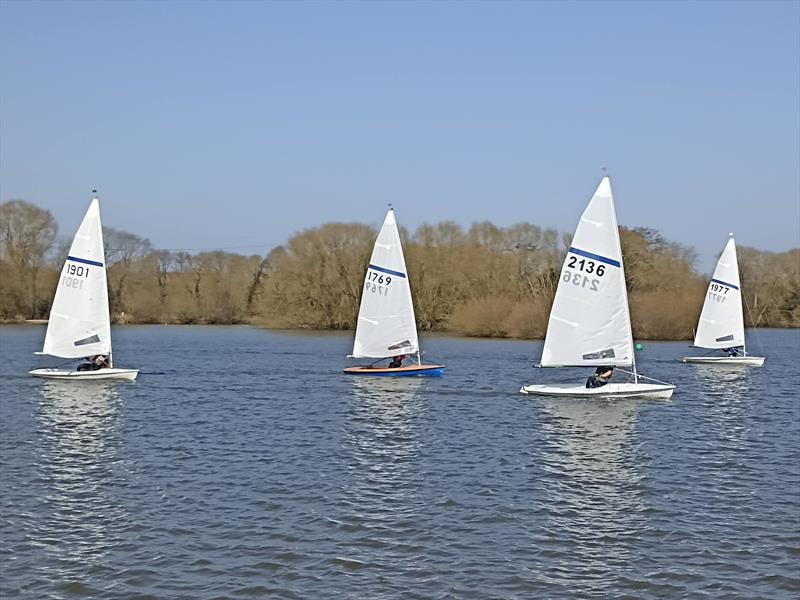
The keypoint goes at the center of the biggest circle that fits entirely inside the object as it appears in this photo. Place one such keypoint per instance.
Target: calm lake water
(242, 464)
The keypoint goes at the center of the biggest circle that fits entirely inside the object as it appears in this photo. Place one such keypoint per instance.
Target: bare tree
(27, 233)
(123, 249)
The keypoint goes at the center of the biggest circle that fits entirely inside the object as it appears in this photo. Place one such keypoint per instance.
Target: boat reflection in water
(78, 425)
(595, 501)
(382, 496)
(383, 435)
(724, 382)
(726, 400)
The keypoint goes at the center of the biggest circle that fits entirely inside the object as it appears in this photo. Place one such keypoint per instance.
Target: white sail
(721, 322)
(79, 323)
(590, 323)
(386, 325)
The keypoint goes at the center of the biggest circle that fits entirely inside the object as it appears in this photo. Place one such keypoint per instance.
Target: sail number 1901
(79, 271)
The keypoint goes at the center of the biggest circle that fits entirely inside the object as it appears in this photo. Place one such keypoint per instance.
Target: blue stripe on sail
(730, 285)
(85, 261)
(389, 271)
(603, 259)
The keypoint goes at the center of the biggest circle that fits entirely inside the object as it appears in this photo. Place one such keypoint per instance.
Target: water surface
(242, 464)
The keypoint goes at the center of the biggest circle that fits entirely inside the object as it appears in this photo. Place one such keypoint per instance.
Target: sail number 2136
(582, 268)
(587, 266)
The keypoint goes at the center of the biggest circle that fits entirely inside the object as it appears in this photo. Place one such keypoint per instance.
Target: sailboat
(721, 324)
(79, 324)
(386, 326)
(590, 322)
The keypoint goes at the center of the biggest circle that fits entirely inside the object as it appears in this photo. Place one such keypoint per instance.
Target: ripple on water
(289, 480)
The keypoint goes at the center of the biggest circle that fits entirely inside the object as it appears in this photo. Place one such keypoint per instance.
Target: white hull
(744, 361)
(99, 375)
(611, 390)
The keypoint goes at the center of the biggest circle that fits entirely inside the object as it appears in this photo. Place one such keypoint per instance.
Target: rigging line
(643, 376)
(753, 326)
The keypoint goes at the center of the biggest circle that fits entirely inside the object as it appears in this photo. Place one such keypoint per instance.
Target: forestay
(589, 322)
(386, 325)
(721, 322)
(79, 323)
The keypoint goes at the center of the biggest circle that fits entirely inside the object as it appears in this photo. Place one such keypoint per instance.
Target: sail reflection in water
(382, 499)
(595, 494)
(78, 427)
(724, 382)
(725, 402)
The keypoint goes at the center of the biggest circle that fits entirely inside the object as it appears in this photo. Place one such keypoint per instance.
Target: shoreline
(445, 333)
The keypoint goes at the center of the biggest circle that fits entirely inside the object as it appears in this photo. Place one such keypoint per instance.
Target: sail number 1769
(377, 283)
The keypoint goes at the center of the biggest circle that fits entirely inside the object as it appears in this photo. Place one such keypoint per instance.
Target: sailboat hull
(407, 371)
(611, 390)
(99, 375)
(738, 361)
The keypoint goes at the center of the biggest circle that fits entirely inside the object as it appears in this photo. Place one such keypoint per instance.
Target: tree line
(481, 281)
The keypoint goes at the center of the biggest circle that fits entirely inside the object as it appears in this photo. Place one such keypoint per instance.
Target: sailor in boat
(600, 377)
(397, 361)
(731, 351)
(94, 363)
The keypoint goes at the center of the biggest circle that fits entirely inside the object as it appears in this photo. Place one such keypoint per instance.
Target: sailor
(397, 361)
(600, 377)
(730, 351)
(94, 363)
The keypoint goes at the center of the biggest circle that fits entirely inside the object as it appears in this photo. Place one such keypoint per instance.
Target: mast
(741, 293)
(624, 288)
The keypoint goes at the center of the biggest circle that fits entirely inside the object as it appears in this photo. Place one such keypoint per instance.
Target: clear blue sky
(219, 124)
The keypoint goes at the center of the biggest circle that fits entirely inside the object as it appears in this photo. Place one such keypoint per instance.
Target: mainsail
(590, 323)
(721, 322)
(79, 323)
(386, 325)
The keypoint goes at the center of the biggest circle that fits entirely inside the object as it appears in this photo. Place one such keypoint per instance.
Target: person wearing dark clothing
(731, 351)
(94, 363)
(397, 361)
(600, 377)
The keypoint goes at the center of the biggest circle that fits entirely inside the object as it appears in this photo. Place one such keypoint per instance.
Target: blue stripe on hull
(438, 372)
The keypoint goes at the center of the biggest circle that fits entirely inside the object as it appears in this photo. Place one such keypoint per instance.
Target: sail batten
(589, 322)
(721, 323)
(386, 324)
(79, 323)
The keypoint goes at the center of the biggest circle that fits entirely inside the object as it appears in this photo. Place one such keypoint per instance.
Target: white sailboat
(386, 326)
(589, 323)
(79, 325)
(721, 325)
